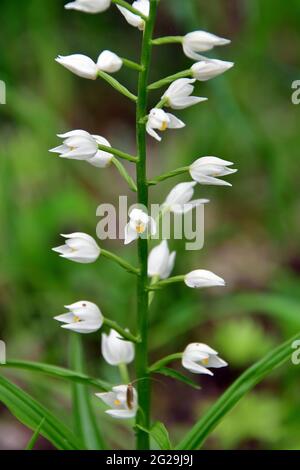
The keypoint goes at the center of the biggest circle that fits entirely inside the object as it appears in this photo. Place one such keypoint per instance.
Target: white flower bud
(161, 261)
(115, 350)
(109, 62)
(202, 278)
(80, 65)
(143, 6)
(79, 247)
(83, 317)
(207, 170)
(89, 6)
(198, 358)
(178, 94)
(201, 41)
(210, 68)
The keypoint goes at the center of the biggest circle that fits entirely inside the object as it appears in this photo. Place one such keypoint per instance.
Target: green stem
(167, 40)
(118, 153)
(120, 261)
(143, 386)
(123, 172)
(124, 374)
(128, 7)
(167, 80)
(117, 85)
(163, 362)
(166, 282)
(166, 176)
(124, 333)
(131, 65)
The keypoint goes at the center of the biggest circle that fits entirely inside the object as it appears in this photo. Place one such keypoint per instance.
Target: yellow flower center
(117, 403)
(164, 126)
(76, 319)
(140, 228)
(205, 361)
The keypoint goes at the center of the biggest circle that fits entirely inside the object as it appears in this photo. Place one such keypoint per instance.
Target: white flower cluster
(83, 316)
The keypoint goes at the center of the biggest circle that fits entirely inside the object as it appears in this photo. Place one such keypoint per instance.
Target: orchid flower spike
(161, 261)
(80, 145)
(143, 6)
(178, 94)
(85, 67)
(159, 119)
(118, 400)
(83, 317)
(201, 41)
(207, 170)
(198, 358)
(140, 224)
(201, 278)
(79, 247)
(89, 6)
(179, 199)
(116, 350)
(210, 68)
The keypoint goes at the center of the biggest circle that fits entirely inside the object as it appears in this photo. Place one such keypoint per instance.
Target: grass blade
(84, 418)
(57, 372)
(33, 440)
(30, 412)
(202, 429)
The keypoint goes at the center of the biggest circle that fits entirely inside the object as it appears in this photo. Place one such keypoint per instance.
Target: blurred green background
(252, 230)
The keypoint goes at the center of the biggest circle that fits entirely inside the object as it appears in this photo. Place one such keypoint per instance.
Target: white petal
(175, 123)
(80, 65)
(201, 278)
(109, 62)
(130, 235)
(89, 6)
(152, 132)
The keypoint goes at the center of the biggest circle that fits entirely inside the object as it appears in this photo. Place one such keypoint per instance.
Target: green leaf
(252, 376)
(84, 418)
(33, 440)
(174, 374)
(30, 412)
(57, 372)
(160, 434)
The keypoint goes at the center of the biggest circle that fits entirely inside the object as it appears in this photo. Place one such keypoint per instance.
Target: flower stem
(128, 7)
(166, 282)
(124, 333)
(117, 85)
(118, 153)
(164, 361)
(124, 174)
(167, 40)
(143, 386)
(120, 261)
(166, 176)
(123, 369)
(132, 65)
(165, 81)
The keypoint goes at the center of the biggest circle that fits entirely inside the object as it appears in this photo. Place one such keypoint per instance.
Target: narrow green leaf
(57, 372)
(30, 413)
(174, 374)
(252, 376)
(33, 440)
(84, 418)
(160, 434)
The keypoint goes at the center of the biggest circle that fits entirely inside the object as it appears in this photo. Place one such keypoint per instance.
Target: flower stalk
(126, 334)
(143, 386)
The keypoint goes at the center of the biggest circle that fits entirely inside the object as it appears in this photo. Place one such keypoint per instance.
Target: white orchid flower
(140, 224)
(143, 6)
(207, 170)
(178, 94)
(80, 145)
(85, 67)
(210, 68)
(83, 317)
(79, 247)
(89, 6)
(80, 65)
(159, 119)
(201, 278)
(161, 261)
(198, 358)
(179, 199)
(77, 145)
(201, 41)
(109, 62)
(118, 400)
(115, 350)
